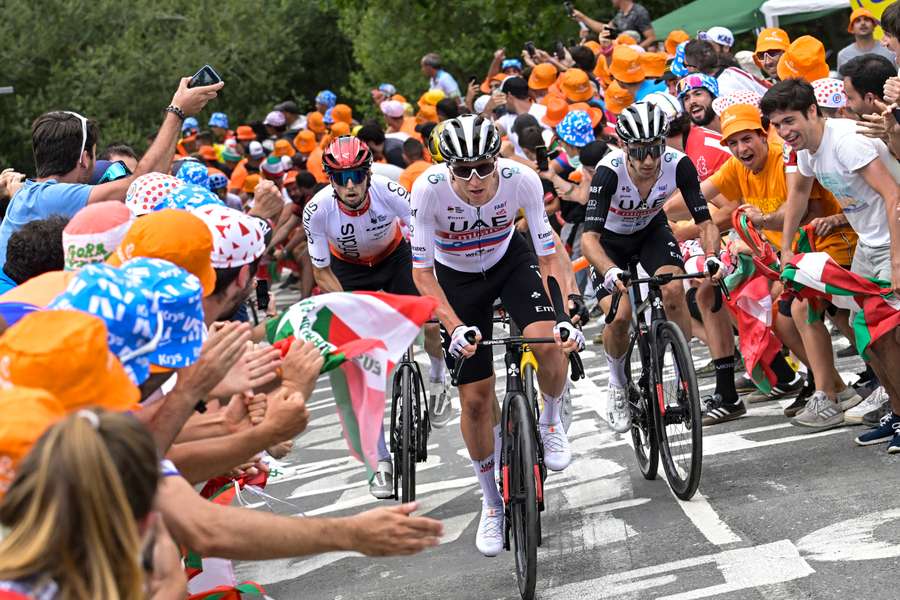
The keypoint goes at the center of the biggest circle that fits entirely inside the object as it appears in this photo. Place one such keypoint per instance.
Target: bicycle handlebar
(663, 279)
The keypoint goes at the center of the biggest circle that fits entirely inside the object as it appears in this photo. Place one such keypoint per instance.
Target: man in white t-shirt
(518, 103)
(863, 176)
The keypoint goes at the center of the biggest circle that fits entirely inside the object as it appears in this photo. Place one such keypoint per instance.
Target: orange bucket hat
(173, 235)
(41, 290)
(245, 133)
(804, 59)
(618, 98)
(576, 86)
(542, 76)
(315, 122)
(653, 63)
(66, 353)
(557, 109)
(284, 148)
(305, 141)
(737, 118)
(626, 65)
(595, 113)
(673, 39)
(342, 113)
(27, 414)
(771, 38)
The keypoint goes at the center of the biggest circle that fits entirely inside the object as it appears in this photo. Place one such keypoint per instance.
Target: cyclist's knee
(477, 399)
(673, 297)
(706, 296)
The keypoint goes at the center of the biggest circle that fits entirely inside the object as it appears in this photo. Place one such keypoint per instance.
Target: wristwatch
(175, 111)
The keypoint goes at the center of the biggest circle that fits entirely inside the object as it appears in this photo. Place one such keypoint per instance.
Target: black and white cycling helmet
(468, 138)
(642, 122)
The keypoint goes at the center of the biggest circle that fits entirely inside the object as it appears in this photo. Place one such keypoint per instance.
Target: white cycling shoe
(557, 454)
(618, 413)
(489, 539)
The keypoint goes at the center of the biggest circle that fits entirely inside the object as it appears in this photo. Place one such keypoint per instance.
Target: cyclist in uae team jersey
(625, 219)
(466, 253)
(354, 230)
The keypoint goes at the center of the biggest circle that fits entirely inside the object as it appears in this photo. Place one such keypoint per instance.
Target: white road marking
(701, 513)
(853, 539)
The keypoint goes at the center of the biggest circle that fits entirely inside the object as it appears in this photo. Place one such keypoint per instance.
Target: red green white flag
(361, 335)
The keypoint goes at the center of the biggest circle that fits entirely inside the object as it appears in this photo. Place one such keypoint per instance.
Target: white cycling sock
(550, 414)
(436, 371)
(383, 453)
(484, 470)
(498, 444)
(616, 370)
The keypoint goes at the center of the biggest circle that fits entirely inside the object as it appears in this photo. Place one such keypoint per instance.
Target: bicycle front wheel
(408, 445)
(524, 476)
(679, 424)
(643, 425)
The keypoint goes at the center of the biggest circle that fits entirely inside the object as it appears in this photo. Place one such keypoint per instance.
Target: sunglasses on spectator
(83, 130)
(769, 54)
(115, 171)
(342, 178)
(639, 153)
(465, 173)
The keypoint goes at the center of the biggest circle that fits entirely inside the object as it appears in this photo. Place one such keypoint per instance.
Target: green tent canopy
(737, 15)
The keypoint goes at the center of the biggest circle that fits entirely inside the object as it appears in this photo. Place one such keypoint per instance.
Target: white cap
(256, 150)
(480, 103)
(718, 35)
(275, 119)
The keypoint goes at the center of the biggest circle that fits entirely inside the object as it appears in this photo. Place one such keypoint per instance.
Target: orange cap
(601, 71)
(576, 85)
(427, 114)
(305, 142)
(340, 128)
(557, 109)
(173, 235)
(674, 38)
(595, 113)
(737, 118)
(315, 122)
(65, 352)
(625, 40)
(542, 76)
(771, 38)
(341, 113)
(804, 59)
(432, 97)
(858, 14)
(626, 65)
(284, 148)
(653, 63)
(208, 153)
(41, 290)
(290, 177)
(27, 414)
(485, 86)
(245, 133)
(595, 47)
(250, 183)
(398, 98)
(618, 98)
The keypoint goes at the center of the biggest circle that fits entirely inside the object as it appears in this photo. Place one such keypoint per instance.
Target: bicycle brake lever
(454, 373)
(577, 367)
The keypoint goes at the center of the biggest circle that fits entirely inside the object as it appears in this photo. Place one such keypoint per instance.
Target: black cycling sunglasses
(465, 173)
(639, 153)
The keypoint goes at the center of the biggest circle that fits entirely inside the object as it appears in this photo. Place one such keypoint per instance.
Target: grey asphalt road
(779, 515)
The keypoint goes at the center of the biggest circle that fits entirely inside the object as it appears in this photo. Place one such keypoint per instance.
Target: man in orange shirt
(756, 176)
(414, 155)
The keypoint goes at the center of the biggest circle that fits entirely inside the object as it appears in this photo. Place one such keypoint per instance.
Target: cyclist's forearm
(565, 266)
(428, 285)
(710, 238)
(327, 280)
(593, 251)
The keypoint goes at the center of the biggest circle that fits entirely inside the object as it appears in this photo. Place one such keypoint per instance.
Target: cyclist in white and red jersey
(355, 236)
(467, 253)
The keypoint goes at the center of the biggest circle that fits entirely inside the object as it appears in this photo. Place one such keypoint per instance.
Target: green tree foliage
(119, 62)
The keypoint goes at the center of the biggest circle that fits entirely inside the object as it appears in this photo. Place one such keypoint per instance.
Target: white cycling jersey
(363, 236)
(474, 239)
(616, 205)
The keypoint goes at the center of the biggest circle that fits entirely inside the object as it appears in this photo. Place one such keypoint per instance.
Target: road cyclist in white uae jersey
(355, 234)
(625, 218)
(467, 254)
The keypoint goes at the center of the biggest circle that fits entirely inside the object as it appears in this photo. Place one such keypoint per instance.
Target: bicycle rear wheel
(643, 425)
(679, 423)
(524, 476)
(408, 431)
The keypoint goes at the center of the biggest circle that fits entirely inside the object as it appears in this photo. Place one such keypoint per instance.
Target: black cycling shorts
(516, 280)
(654, 246)
(392, 275)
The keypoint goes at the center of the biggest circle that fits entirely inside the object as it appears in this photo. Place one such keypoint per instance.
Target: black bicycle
(522, 470)
(410, 426)
(664, 400)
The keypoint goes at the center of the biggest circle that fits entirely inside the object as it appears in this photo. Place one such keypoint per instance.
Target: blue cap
(575, 129)
(133, 322)
(327, 118)
(511, 63)
(192, 171)
(11, 312)
(388, 89)
(217, 181)
(218, 119)
(179, 298)
(188, 197)
(190, 123)
(696, 81)
(326, 97)
(678, 68)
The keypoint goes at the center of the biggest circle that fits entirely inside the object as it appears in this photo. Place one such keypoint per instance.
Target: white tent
(772, 9)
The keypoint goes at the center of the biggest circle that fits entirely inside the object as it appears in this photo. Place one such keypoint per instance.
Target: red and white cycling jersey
(473, 239)
(364, 236)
